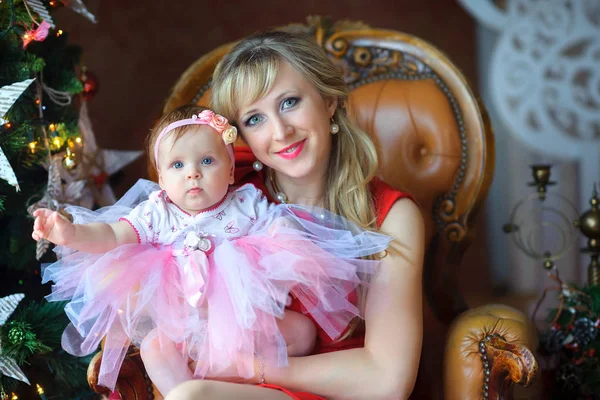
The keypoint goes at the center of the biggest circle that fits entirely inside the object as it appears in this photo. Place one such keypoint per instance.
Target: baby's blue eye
(207, 161)
(177, 165)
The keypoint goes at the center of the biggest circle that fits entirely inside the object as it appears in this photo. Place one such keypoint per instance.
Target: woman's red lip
(290, 146)
(290, 156)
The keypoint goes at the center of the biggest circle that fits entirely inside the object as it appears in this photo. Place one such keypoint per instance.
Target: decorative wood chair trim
(505, 364)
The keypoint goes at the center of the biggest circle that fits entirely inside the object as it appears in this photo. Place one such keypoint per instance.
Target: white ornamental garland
(8, 96)
(8, 366)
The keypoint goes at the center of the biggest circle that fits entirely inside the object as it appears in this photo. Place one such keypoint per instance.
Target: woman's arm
(386, 368)
(91, 238)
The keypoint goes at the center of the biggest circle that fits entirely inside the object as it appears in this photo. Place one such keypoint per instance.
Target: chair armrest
(489, 348)
(132, 383)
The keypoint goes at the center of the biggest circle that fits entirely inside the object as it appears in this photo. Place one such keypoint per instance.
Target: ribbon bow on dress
(195, 270)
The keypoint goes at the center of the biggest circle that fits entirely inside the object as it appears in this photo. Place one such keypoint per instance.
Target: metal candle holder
(560, 217)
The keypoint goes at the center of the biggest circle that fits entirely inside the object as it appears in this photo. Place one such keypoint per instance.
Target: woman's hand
(52, 226)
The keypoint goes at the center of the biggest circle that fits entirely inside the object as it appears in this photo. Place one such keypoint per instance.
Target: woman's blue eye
(287, 103)
(253, 120)
(207, 161)
(177, 165)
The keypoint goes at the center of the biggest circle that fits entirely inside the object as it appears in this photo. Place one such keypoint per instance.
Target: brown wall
(139, 48)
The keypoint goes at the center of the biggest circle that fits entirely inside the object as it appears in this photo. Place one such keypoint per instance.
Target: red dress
(384, 196)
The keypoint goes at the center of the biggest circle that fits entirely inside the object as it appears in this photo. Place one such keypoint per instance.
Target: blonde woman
(289, 102)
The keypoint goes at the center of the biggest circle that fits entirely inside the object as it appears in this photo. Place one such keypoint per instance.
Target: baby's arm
(299, 332)
(98, 237)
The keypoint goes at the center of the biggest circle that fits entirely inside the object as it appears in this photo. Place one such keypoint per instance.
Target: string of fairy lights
(55, 137)
(13, 396)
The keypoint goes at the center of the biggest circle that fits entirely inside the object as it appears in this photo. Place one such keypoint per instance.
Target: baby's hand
(52, 226)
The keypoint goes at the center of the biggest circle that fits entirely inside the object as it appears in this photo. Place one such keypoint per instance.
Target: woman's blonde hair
(247, 73)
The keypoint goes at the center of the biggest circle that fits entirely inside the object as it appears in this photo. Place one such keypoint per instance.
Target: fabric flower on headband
(219, 123)
(229, 135)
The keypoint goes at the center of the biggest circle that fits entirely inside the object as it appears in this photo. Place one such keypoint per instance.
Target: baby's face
(195, 170)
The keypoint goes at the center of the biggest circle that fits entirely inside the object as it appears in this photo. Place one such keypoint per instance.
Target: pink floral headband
(218, 122)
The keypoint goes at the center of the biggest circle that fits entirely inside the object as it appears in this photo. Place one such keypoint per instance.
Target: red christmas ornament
(100, 179)
(90, 84)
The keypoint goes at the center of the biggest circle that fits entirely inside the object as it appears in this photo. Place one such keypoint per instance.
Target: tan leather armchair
(436, 142)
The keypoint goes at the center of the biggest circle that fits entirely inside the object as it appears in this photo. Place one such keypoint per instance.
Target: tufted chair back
(433, 136)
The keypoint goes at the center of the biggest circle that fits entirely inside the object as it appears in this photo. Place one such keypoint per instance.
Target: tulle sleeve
(261, 203)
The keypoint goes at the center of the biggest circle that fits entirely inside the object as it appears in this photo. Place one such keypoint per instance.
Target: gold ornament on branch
(57, 142)
(74, 143)
(69, 160)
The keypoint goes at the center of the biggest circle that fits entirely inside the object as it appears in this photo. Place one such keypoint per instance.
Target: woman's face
(289, 128)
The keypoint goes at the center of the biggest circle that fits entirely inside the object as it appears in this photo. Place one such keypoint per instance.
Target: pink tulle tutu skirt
(122, 295)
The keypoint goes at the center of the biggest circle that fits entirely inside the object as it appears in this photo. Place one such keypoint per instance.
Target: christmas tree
(48, 158)
(571, 343)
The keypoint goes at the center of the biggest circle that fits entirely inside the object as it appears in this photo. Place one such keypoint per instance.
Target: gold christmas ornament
(73, 143)
(56, 142)
(69, 161)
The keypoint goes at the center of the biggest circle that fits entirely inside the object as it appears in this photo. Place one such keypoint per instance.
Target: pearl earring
(257, 166)
(335, 128)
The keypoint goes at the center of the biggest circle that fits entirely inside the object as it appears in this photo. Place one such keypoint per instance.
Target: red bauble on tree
(90, 84)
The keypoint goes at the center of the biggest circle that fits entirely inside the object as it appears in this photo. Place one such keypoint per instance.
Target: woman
(290, 102)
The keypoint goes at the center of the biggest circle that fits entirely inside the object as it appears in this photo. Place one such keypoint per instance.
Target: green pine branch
(34, 329)
(32, 337)
(67, 371)
(53, 62)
